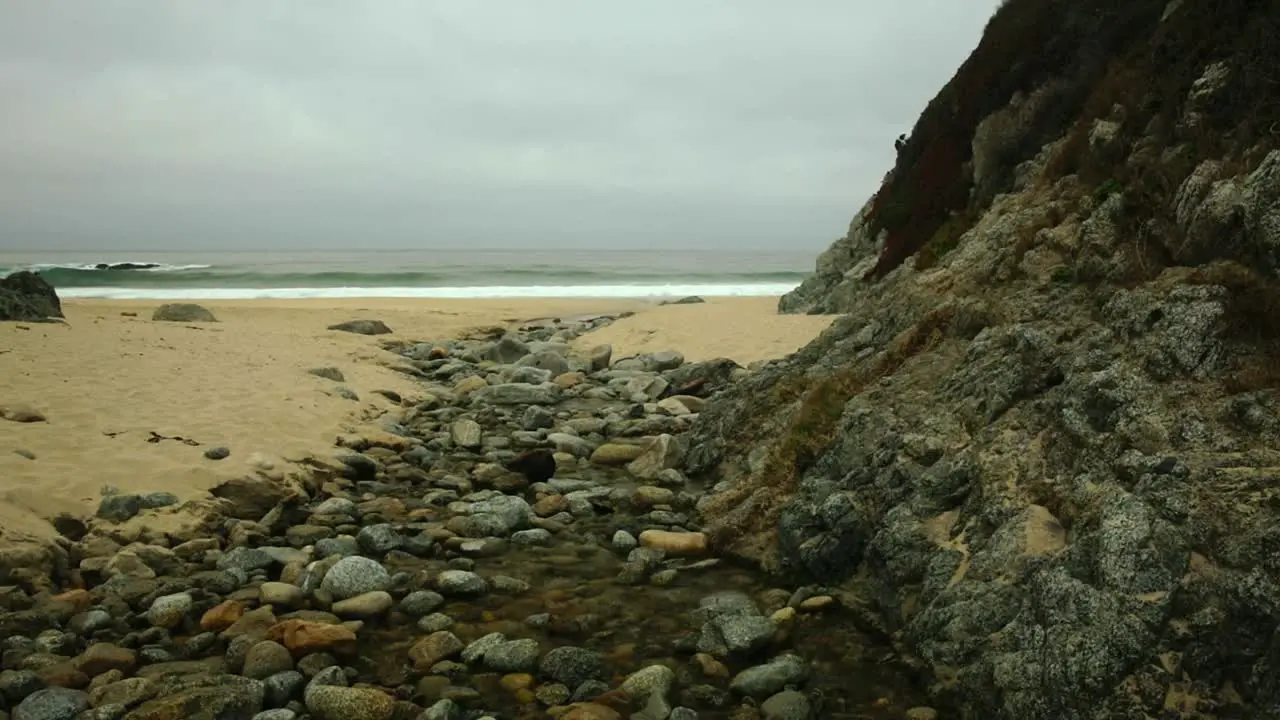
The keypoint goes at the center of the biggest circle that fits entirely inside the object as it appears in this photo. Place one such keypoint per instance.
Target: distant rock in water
(363, 327)
(126, 266)
(27, 297)
(183, 312)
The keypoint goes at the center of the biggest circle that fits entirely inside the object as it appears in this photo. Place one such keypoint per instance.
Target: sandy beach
(110, 378)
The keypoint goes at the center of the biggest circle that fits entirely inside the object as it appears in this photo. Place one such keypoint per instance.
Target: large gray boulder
(27, 297)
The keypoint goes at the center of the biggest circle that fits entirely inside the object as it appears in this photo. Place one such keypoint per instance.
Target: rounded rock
(266, 658)
(513, 656)
(648, 680)
(460, 582)
(355, 575)
(281, 594)
(421, 603)
(786, 705)
(330, 702)
(53, 703)
(365, 605)
(572, 665)
(168, 611)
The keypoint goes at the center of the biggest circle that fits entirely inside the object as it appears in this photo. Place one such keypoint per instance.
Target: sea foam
(494, 291)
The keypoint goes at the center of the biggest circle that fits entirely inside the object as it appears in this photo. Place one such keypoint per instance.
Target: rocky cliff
(1040, 443)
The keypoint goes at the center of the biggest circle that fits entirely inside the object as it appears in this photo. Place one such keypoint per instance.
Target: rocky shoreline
(438, 570)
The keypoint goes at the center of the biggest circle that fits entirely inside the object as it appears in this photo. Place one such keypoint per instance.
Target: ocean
(415, 273)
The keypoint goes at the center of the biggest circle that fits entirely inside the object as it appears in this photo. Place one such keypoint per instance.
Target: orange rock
(569, 379)
(591, 711)
(222, 616)
(104, 657)
(63, 674)
(303, 637)
(81, 600)
(550, 505)
(675, 543)
(517, 681)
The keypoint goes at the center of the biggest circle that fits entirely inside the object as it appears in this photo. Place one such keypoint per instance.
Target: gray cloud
(136, 125)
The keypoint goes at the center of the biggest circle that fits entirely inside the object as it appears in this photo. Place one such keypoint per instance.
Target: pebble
(283, 687)
(330, 702)
(304, 638)
(649, 680)
(460, 582)
(55, 703)
(281, 594)
(433, 648)
(761, 681)
(335, 506)
(435, 622)
(168, 611)
(513, 656)
(534, 536)
(735, 635)
(420, 603)
(572, 665)
(266, 658)
(365, 605)
(786, 705)
(675, 543)
(624, 541)
(355, 575)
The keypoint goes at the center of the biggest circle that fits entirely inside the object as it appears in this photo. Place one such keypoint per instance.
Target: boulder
(27, 297)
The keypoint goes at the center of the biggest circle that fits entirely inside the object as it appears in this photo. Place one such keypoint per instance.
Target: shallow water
(574, 580)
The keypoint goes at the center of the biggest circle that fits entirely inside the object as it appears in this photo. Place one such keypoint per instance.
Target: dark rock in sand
(119, 508)
(537, 465)
(359, 467)
(183, 312)
(70, 527)
(21, 413)
(363, 327)
(217, 453)
(391, 395)
(27, 297)
(329, 373)
(701, 379)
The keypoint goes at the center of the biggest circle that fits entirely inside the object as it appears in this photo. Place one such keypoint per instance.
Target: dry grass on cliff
(1252, 323)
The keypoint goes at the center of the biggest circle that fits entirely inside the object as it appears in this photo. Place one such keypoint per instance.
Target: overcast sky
(503, 123)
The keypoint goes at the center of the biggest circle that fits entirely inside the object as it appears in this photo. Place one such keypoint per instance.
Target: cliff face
(1040, 444)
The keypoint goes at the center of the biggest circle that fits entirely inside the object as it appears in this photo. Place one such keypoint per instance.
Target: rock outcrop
(27, 297)
(1039, 443)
